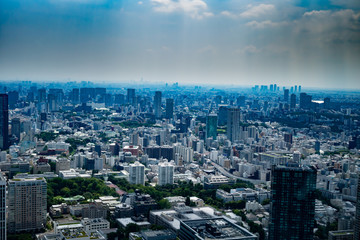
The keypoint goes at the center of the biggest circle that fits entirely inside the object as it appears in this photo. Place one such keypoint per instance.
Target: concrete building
(233, 124)
(137, 173)
(4, 122)
(166, 173)
(213, 228)
(27, 204)
(3, 226)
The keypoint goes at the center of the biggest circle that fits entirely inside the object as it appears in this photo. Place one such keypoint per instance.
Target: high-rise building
(299, 88)
(27, 204)
(286, 95)
(305, 101)
(42, 95)
(130, 97)
(241, 101)
(233, 124)
(211, 126)
(74, 96)
(293, 101)
(3, 226)
(157, 104)
(357, 215)
(292, 202)
(137, 173)
(169, 108)
(166, 174)
(223, 114)
(4, 122)
(15, 127)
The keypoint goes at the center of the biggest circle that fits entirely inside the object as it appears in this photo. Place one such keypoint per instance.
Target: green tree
(164, 204)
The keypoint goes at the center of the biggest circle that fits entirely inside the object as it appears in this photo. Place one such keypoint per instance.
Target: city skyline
(185, 41)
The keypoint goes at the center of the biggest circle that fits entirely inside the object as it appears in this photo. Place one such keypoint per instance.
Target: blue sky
(240, 42)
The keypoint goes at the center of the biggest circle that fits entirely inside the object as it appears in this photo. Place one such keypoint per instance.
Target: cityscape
(86, 161)
(179, 120)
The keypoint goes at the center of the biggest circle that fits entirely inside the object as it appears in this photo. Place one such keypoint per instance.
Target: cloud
(266, 24)
(258, 11)
(228, 14)
(195, 8)
(207, 49)
(250, 49)
(140, 2)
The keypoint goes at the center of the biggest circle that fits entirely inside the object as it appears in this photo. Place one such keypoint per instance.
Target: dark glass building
(357, 216)
(169, 114)
(4, 122)
(211, 126)
(292, 203)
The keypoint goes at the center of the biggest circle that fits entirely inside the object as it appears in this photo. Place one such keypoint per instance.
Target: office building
(166, 174)
(292, 203)
(357, 215)
(137, 173)
(15, 128)
(305, 101)
(241, 101)
(292, 101)
(211, 126)
(233, 124)
(3, 226)
(157, 104)
(286, 95)
(213, 228)
(341, 235)
(130, 97)
(169, 114)
(4, 122)
(27, 204)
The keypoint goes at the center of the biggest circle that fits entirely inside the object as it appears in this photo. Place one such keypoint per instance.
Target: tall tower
(233, 124)
(357, 216)
(292, 203)
(4, 122)
(169, 108)
(166, 173)
(137, 173)
(286, 95)
(211, 126)
(130, 97)
(292, 101)
(157, 104)
(2, 207)
(27, 204)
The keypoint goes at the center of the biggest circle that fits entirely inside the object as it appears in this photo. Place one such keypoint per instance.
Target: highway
(227, 174)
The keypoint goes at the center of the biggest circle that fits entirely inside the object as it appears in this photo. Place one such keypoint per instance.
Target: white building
(137, 173)
(166, 173)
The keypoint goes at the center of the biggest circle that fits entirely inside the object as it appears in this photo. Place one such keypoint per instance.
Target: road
(227, 174)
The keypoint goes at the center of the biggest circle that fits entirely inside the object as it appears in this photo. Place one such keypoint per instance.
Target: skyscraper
(292, 203)
(27, 204)
(4, 122)
(2, 207)
(169, 108)
(357, 215)
(286, 95)
(15, 127)
(166, 174)
(305, 101)
(130, 97)
(157, 104)
(211, 125)
(292, 101)
(137, 173)
(233, 124)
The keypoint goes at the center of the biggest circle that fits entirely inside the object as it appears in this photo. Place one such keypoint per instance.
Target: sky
(223, 42)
